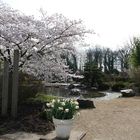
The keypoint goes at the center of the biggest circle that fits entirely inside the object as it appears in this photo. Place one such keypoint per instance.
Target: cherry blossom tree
(41, 43)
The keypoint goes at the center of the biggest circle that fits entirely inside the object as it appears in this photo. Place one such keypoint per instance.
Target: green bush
(103, 86)
(29, 86)
(121, 79)
(25, 79)
(46, 114)
(118, 86)
(43, 98)
(27, 91)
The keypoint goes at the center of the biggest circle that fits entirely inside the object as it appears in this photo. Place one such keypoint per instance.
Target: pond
(64, 92)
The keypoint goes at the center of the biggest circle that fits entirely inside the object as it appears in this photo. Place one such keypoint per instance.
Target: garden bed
(28, 120)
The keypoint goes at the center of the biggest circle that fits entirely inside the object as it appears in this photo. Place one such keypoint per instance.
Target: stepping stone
(75, 135)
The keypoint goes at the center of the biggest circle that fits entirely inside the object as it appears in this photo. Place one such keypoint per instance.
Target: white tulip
(53, 101)
(58, 100)
(63, 100)
(77, 107)
(52, 105)
(48, 104)
(63, 103)
(66, 110)
(60, 108)
(76, 103)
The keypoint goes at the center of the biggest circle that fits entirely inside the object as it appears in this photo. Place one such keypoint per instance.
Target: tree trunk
(5, 88)
(15, 84)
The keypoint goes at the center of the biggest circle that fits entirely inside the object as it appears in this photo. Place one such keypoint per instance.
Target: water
(63, 92)
(110, 95)
(60, 91)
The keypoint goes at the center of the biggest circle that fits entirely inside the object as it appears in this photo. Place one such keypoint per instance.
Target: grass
(43, 98)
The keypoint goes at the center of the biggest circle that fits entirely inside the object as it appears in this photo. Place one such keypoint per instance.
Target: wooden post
(15, 84)
(5, 88)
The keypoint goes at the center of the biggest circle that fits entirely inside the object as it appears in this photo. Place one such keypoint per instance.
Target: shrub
(46, 114)
(103, 86)
(118, 86)
(27, 91)
(25, 79)
(29, 86)
(39, 103)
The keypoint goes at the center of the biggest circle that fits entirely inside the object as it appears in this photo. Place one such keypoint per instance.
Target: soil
(28, 120)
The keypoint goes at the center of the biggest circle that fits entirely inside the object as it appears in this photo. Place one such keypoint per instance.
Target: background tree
(97, 56)
(135, 63)
(109, 59)
(135, 55)
(92, 72)
(123, 57)
(72, 63)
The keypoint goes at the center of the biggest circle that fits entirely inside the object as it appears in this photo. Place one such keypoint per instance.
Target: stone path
(117, 119)
(75, 135)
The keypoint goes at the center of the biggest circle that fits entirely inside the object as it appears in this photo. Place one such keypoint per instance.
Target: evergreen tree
(92, 74)
(92, 71)
(135, 56)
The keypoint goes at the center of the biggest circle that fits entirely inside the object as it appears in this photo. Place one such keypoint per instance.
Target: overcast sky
(114, 21)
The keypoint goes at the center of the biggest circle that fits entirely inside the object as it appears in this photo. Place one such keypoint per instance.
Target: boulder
(127, 93)
(83, 103)
(137, 91)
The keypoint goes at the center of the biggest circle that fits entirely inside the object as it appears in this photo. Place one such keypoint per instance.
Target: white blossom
(41, 43)
(52, 105)
(77, 107)
(48, 104)
(66, 110)
(58, 100)
(76, 103)
(60, 108)
(53, 101)
(63, 103)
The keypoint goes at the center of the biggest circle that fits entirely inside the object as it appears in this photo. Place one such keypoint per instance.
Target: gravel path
(117, 119)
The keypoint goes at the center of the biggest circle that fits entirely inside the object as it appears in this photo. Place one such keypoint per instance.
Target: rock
(127, 93)
(75, 91)
(85, 103)
(137, 91)
(94, 88)
(71, 86)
